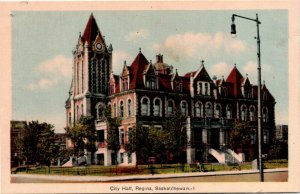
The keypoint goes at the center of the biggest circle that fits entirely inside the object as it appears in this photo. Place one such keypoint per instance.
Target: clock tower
(91, 68)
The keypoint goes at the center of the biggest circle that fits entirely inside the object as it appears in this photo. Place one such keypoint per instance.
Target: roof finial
(222, 76)
(202, 62)
(264, 83)
(79, 34)
(150, 61)
(125, 62)
(235, 65)
(176, 71)
(140, 50)
(246, 74)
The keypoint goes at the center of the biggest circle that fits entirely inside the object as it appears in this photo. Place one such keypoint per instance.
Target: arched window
(229, 111)
(198, 109)
(145, 106)
(129, 107)
(206, 89)
(184, 107)
(218, 111)
(243, 113)
(77, 112)
(208, 109)
(81, 110)
(115, 110)
(70, 119)
(157, 107)
(121, 109)
(265, 114)
(252, 113)
(170, 108)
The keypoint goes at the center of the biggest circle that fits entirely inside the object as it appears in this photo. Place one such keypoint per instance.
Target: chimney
(159, 58)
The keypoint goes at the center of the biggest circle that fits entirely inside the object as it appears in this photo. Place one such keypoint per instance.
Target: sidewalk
(139, 177)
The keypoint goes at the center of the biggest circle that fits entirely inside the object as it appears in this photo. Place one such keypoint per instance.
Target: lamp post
(233, 32)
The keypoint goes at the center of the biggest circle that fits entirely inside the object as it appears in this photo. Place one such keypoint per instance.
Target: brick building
(149, 92)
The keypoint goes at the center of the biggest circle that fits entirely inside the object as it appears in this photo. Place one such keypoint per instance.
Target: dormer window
(177, 86)
(203, 88)
(112, 89)
(248, 93)
(125, 83)
(150, 83)
(206, 89)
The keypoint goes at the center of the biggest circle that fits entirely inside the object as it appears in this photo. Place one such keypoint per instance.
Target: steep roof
(269, 96)
(136, 74)
(237, 79)
(91, 31)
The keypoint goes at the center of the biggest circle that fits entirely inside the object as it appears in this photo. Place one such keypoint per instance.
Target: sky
(42, 45)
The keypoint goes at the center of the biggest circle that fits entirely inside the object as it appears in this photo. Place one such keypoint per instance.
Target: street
(254, 177)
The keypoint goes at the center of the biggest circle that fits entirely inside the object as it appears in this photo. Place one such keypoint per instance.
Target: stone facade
(149, 93)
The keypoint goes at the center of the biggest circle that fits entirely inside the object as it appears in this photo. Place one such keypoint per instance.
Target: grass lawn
(96, 170)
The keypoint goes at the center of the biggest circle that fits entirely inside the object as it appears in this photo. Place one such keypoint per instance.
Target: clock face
(99, 47)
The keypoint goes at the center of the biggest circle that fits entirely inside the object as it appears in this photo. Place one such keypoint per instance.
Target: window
(157, 105)
(125, 83)
(81, 110)
(206, 89)
(243, 113)
(115, 110)
(184, 109)
(70, 119)
(208, 109)
(121, 109)
(100, 135)
(129, 158)
(229, 111)
(145, 106)
(100, 109)
(129, 136)
(150, 83)
(218, 111)
(199, 88)
(129, 107)
(122, 137)
(253, 138)
(265, 96)
(266, 137)
(198, 108)
(112, 88)
(252, 113)
(77, 112)
(248, 92)
(121, 157)
(170, 108)
(265, 114)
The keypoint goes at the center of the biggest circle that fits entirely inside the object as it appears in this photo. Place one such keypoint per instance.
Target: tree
(175, 137)
(37, 143)
(154, 142)
(240, 135)
(113, 142)
(279, 149)
(82, 135)
(139, 142)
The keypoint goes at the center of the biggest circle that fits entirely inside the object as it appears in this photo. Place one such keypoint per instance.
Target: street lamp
(233, 32)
